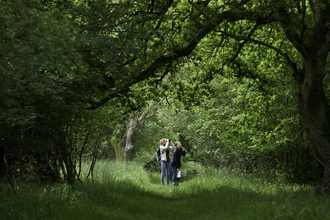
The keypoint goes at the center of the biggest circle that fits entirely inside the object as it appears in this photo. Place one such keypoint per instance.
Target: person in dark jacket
(175, 161)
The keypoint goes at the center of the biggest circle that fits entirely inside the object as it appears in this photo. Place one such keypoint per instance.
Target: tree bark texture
(315, 116)
(128, 145)
(124, 147)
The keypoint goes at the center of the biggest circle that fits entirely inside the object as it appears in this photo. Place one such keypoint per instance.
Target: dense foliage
(246, 80)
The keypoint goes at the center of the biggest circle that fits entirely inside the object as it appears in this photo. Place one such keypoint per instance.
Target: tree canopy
(60, 59)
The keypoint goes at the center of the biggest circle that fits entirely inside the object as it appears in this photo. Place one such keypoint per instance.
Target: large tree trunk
(315, 116)
(128, 146)
(124, 147)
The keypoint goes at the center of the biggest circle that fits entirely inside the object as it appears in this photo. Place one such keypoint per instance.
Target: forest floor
(121, 191)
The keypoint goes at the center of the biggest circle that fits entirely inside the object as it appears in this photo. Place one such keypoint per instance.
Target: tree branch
(164, 74)
(200, 10)
(243, 43)
(188, 48)
(292, 64)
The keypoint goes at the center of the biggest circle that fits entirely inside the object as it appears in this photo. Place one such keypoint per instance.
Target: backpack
(158, 157)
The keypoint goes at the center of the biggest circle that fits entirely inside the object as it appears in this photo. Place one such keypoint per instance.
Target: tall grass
(120, 191)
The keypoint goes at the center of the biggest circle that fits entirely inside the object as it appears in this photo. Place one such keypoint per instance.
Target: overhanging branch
(292, 64)
(190, 46)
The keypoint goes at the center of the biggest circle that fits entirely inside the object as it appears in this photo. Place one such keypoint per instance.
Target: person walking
(175, 161)
(165, 146)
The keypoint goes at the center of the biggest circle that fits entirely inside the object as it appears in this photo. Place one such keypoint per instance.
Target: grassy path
(128, 192)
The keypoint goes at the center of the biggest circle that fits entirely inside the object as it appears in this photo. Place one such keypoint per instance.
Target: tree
(124, 146)
(36, 105)
(57, 60)
(94, 66)
(295, 31)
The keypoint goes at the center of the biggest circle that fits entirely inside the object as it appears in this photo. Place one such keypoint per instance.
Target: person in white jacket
(165, 146)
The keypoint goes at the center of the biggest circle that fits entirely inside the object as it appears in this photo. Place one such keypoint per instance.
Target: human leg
(178, 179)
(174, 175)
(168, 164)
(163, 169)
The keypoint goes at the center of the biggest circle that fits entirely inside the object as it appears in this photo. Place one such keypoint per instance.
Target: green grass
(121, 191)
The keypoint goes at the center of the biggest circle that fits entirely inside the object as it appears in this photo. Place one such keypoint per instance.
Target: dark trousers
(175, 173)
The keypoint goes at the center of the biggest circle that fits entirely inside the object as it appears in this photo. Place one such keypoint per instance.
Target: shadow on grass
(124, 200)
